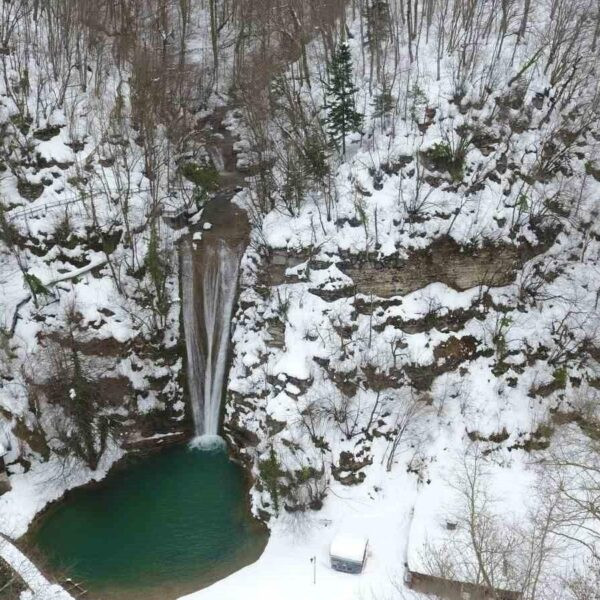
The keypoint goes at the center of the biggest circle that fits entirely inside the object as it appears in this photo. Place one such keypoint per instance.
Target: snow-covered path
(40, 588)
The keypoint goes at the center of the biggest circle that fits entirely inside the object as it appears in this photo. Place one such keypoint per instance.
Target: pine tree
(342, 116)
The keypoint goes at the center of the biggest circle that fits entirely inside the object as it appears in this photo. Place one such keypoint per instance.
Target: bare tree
(84, 395)
(404, 432)
(487, 549)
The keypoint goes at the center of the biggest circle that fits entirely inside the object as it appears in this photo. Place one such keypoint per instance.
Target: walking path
(40, 587)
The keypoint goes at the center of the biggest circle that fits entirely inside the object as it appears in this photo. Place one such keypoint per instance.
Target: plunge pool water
(161, 526)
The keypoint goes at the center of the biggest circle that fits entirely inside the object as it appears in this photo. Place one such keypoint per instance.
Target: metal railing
(13, 215)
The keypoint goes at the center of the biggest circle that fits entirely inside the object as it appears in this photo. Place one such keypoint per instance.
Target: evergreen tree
(342, 116)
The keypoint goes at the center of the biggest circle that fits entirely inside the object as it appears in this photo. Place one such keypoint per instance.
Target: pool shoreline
(259, 533)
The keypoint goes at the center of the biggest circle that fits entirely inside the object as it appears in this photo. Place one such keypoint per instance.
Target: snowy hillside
(426, 319)
(414, 348)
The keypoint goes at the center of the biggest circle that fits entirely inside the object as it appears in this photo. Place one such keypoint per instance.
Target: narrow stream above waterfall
(156, 528)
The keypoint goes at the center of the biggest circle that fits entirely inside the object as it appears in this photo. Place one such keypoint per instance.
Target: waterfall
(195, 360)
(207, 311)
(219, 285)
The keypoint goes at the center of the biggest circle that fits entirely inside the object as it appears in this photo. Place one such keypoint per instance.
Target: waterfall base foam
(208, 443)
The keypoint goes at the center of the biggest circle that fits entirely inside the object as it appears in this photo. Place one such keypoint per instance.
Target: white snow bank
(39, 587)
(42, 484)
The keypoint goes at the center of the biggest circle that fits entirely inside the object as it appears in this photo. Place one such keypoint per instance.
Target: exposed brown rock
(444, 261)
(348, 470)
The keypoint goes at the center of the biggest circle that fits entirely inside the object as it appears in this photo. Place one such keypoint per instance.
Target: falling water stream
(210, 273)
(210, 265)
(195, 362)
(219, 284)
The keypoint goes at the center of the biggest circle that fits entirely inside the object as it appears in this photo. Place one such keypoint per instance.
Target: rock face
(349, 469)
(4, 481)
(377, 344)
(444, 261)
(277, 264)
(276, 330)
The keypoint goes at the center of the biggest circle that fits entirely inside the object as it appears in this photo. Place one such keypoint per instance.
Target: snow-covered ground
(323, 370)
(39, 587)
(427, 320)
(383, 514)
(44, 483)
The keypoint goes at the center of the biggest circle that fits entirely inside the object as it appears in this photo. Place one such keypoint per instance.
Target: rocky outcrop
(278, 262)
(448, 355)
(444, 261)
(276, 331)
(4, 481)
(349, 471)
